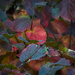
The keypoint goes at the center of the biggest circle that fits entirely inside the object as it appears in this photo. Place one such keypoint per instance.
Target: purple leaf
(67, 9)
(53, 52)
(64, 62)
(44, 15)
(40, 53)
(19, 24)
(51, 68)
(70, 71)
(1, 30)
(30, 4)
(28, 52)
(7, 46)
(6, 4)
(20, 46)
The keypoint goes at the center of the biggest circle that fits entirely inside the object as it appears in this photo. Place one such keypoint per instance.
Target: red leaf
(38, 34)
(56, 27)
(60, 26)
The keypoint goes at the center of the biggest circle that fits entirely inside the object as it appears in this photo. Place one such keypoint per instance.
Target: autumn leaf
(30, 4)
(38, 33)
(67, 9)
(57, 27)
(65, 41)
(19, 24)
(44, 15)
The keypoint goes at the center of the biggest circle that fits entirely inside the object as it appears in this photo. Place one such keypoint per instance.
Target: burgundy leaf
(44, 15)
(7, 46)
(56, 26)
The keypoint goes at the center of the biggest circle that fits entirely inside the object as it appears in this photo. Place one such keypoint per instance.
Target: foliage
(37, 37)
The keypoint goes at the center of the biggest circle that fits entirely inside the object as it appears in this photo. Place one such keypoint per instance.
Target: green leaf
(8, 35)
(21, 38)
(33, 41)
(51, 44)
(11, 66)
(4, 38)
(20, 46)
(1, 67)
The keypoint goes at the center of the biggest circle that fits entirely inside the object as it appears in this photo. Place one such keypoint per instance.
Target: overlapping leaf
(20, 46)
(3, 38)
(19, 24)
(1, 30)
(51, 68)
(40, 53)
(34, 52)
(21, 38)
(55, 12)
(7, 46)
(28, 52)
(70, 71)
(67, 9)
(56, 27)
(38, 34)
(44, 15)
(6, 4)
(53, 52)
(30, 4)
(3, 16)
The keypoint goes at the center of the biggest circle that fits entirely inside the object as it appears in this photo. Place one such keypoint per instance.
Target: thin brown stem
(70, 34)
(31, 25)
(55, 37)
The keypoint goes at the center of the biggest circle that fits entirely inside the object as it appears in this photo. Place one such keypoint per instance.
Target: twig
(54, 37)
(31, 25)
(70, 34)
(67, 56)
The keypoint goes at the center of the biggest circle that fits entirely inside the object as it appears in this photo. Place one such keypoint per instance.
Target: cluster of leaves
(37, 37)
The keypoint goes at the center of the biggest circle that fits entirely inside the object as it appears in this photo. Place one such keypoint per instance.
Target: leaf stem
(54, 37)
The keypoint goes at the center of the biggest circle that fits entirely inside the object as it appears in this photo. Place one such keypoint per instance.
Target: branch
(70, 34)
(67, 56)
(31, 25)
(55, 37)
